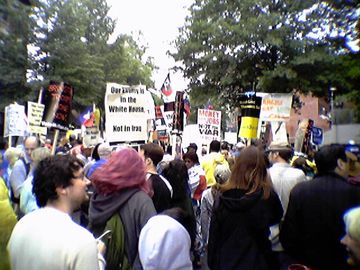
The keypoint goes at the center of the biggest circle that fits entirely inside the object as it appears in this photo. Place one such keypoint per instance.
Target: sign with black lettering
(209, 122)
(126, 113)
(15, 123)
(35, 115)
(250, 105)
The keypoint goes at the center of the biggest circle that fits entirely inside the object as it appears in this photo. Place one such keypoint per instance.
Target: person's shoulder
(19, 164)
(303, 186)
(140, 195)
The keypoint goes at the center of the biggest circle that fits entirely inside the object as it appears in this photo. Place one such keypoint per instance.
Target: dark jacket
(239, 230)
(162, 195)
(313, 224)
(135, 208)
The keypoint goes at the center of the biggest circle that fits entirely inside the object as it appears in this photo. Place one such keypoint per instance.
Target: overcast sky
(158, 20)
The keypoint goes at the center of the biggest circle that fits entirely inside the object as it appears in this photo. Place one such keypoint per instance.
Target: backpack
(115, 256)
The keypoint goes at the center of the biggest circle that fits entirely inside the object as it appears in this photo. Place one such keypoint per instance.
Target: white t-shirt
(48, 239)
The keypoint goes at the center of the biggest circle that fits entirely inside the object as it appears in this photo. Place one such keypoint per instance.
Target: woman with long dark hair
(243, 212)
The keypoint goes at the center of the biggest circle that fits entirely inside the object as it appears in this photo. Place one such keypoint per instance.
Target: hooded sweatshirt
(164, 245)
(239, 230)
(135, 208)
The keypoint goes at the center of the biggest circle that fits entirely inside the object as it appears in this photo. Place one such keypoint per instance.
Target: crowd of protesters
(247, 206)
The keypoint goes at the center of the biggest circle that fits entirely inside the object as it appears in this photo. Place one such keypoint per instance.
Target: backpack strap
(115, 256)
(26, 165)
(167, 183)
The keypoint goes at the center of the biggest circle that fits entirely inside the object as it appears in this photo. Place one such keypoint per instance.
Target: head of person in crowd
(222, 174)
(224, 149)
(352, 238)
(95, 153)
(39, 154)
(214, 146)
(176, 173)
(300, 162)
(152, 154)
(191, 159)
(279, 152)
(12, 154)
(353, 152)
(203, 151)
(124, 169)
(59, 181)
(164, 244)
(192, 147)
(250, 173)
(104, 151)
(30, 144)
(332, 158)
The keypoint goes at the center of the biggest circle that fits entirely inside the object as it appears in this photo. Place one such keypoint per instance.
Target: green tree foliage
(72, 38)
(68, 42)
(228, 47)
(124, 63)
(14, 37)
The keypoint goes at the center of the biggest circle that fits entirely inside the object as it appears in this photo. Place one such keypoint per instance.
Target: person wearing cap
(313, 223)
(351, 239)
(104, 151)
(284, 178)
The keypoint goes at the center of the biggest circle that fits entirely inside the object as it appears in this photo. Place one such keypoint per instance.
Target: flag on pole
(168, 94)
(187, 107)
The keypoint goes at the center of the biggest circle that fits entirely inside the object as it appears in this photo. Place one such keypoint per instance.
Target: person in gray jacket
(121, 188)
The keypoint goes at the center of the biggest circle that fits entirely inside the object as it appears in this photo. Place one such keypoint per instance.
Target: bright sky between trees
(158, 21)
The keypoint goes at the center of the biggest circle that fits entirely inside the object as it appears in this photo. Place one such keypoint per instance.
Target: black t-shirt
(162, 195)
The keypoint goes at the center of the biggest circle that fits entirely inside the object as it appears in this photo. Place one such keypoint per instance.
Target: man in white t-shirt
(47, 238)
(284, 178)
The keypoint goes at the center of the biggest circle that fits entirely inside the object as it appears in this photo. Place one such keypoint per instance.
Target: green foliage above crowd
(66, 40)
(229, 47)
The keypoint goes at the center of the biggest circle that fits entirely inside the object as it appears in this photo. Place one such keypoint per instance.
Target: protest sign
(317, 135)
(35, 115)
(57, 100)
(250, 110)
(91, 136)
(15, 121)
(209, 122)
(279, 132)
(276, 107)
(126, 113)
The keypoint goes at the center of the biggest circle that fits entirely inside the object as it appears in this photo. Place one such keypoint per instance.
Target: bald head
(30, 144)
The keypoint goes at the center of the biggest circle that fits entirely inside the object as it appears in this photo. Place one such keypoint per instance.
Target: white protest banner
(35, 115)
(91, 136)
(15, 123)
(209, 122)
(279, 132)
(276, 107)
(126, 113)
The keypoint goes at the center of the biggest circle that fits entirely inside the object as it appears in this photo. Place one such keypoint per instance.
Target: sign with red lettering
(57, 101)
(276, 107)
(209, 122)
